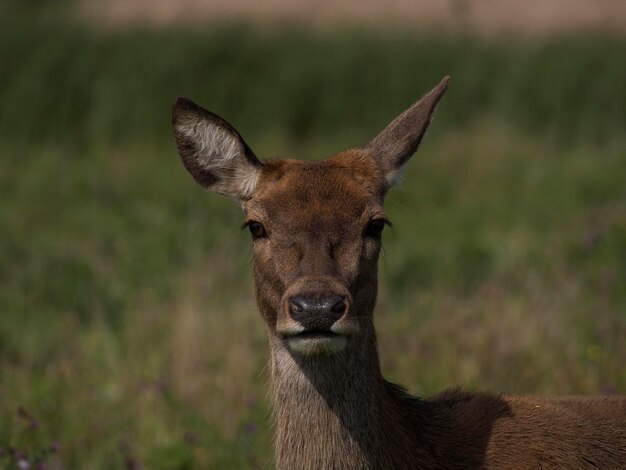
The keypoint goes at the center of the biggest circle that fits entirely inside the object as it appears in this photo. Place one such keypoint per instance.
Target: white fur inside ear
(216, 148)
(221, 153)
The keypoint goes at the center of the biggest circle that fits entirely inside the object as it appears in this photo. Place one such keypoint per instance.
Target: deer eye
(256, 229)
(375, 227)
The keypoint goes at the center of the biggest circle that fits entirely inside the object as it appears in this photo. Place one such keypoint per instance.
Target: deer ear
(399, 140)
(213, 151)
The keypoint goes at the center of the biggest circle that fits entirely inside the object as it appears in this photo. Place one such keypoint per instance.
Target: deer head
(316, 226)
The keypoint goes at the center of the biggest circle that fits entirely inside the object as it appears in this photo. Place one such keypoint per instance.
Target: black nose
(317, 313)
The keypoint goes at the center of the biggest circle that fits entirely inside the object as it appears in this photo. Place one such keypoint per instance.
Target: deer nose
(317, 313)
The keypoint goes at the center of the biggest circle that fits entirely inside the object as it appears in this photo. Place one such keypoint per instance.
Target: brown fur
(336, 410)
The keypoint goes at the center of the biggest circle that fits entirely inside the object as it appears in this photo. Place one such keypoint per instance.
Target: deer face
(316, 226)
(316, 230)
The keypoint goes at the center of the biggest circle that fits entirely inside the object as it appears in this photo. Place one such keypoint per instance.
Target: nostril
(339, 307)
(297, 305)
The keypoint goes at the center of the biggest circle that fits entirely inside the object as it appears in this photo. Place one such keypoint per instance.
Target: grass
(117, 88)
(128, 330)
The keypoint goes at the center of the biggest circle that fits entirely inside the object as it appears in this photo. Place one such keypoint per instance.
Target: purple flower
(23, 464)
(251, 428)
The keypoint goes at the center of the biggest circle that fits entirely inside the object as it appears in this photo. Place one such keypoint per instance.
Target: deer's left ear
(213, 151)
(400, 139)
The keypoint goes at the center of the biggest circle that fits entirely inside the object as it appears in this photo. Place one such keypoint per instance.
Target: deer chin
(316, 343)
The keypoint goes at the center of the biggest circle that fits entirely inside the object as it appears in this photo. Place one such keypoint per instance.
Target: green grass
(62, 82)
(128, 328)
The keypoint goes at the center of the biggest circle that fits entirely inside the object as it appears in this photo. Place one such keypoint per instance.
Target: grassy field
(128, 331)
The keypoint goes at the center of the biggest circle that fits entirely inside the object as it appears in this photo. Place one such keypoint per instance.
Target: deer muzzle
(316, 319)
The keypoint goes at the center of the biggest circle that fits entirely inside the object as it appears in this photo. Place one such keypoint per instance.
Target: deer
(316, 230)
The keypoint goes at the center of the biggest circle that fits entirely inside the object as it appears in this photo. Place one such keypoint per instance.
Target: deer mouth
(315, 334)
(316, 342)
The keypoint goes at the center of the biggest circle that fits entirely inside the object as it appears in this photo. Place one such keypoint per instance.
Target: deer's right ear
(213, 151)
(399, 140)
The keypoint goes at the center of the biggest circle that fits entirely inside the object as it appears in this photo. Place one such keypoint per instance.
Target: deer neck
(332, 412)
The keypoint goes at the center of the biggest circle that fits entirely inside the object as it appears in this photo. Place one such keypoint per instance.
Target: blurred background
(129, 336)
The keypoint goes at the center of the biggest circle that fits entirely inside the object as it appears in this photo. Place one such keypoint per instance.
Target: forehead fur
(346, 183)
(348, 169)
